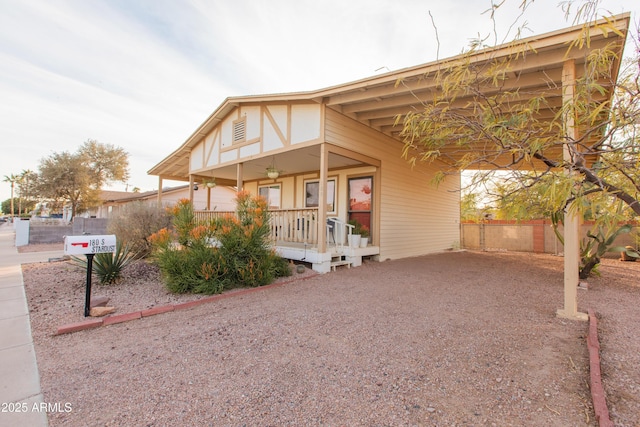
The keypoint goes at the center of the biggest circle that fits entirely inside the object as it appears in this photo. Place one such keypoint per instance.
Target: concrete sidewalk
(20, 394)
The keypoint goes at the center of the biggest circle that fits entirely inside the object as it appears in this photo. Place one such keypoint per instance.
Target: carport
(544, 64)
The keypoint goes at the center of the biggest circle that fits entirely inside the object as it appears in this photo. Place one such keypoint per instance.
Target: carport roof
(377, 101)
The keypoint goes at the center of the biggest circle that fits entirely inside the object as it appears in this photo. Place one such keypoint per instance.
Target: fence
(524, 236)
(37, 231)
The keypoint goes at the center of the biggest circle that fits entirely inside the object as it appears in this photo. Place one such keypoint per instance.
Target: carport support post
(571, 214)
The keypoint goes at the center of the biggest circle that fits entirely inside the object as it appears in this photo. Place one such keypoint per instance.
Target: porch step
(338, 261)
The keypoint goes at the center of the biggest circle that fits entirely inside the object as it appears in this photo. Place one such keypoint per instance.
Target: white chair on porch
(337, 231)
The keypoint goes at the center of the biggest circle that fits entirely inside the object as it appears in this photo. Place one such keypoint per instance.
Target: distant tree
(106, 162)
(77, 178)
(12, 179)
(26, 184)
(470, 209)
(27, 206)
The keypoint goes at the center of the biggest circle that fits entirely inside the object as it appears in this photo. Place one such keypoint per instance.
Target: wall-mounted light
(195, 187)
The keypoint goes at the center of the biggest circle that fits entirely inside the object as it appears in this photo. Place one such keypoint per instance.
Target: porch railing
(286, 225)
(294, 225)
(204, 216)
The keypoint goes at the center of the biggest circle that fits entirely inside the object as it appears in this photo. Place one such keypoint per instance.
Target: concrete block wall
(54, 233)
(48, 233)
(89, 226)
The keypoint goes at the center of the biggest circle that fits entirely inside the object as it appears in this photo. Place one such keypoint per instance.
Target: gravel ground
(466, 338)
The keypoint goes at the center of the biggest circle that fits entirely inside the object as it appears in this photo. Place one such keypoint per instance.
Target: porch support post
(322, 199)
(191, 188)
(239, 179)
(571, 216)
(159, 190)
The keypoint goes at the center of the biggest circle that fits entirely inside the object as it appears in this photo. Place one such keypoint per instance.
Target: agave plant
(597, 245)
(108, 266)
(599, 241)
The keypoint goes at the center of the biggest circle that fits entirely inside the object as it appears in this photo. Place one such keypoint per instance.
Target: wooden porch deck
(323, 262)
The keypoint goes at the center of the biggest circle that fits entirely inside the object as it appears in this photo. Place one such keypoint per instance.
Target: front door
(360, 200)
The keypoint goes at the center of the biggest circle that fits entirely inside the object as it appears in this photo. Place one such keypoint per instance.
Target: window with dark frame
(360, 200)
(312, 191)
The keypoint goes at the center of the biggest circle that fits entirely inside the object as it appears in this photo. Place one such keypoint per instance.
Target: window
(312, 191)
(271, 193)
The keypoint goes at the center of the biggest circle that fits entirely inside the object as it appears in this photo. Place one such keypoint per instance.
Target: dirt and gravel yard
(464, 338)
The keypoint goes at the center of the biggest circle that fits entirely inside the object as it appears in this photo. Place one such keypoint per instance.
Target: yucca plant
(108, 266)
(599, 241)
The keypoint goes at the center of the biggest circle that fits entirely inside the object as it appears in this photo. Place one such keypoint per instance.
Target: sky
(142, 75)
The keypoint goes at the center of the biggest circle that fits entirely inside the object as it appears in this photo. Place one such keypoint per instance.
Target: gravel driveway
(464, 338)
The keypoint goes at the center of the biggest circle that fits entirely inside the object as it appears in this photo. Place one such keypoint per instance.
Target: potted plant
(364, 236)
(355, 237)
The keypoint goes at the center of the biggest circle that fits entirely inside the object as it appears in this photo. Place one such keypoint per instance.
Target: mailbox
(83, 245)
(89, 245)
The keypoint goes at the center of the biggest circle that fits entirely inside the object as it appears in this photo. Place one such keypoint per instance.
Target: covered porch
(295, 235)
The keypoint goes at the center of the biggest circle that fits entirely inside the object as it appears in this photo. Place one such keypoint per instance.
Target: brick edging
(125, 317)
(595, 377)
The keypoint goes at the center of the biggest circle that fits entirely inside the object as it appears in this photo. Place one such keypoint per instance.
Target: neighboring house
(341, 145)
(218, 198)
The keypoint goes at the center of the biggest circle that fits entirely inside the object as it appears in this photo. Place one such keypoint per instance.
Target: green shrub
(281, 267)
(197, 270)
(244, 242)
(183, 220)
(242, 256)
(135, 222)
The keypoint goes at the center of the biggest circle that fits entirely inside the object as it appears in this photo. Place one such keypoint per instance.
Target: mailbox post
(89, 245)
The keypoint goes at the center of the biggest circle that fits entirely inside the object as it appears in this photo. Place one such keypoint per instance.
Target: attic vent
(239, 131)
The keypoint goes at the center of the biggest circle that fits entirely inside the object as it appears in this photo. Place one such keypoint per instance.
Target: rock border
(595, 377)
(92, 323)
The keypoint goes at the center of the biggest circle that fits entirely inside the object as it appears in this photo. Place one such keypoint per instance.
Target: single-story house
(325, 157)
(207, 198)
